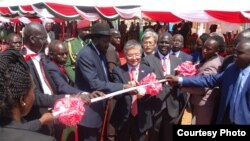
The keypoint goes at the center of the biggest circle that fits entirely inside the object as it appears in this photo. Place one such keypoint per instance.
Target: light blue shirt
(237, 95)
(102, 61)
(136, 69)
(177, 53)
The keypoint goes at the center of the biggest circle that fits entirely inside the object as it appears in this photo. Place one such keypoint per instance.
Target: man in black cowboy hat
(92, 74)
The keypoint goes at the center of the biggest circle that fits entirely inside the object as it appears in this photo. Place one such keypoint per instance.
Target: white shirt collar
(130, 67)
(162, 56)
(176, 53)
(28, 51)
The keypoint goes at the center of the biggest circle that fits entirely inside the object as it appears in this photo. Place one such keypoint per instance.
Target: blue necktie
(234, 101)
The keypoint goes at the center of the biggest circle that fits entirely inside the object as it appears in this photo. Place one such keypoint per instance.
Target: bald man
(14, 41)
(35, 41)
(245, 34)
(58, 54)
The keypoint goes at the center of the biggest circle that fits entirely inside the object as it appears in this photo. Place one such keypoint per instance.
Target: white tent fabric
(193, 5)
(162, 5)
(42, 12)
(195, 16)
(89, 16)
(236, 11)
(129, 13)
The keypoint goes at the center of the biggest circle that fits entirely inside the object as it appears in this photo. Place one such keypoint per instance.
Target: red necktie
(62, 69)
(28, 56)
(44, 76)
(164, 64)
(134, 108)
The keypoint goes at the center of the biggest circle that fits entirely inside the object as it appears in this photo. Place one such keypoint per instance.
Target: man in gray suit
(166, 103)
(92, 74)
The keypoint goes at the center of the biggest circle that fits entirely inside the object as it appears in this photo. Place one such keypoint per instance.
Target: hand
(95, 94)
(126, 86)
(172, 80)
(46, 118)
(141, 92)
(133, 83)
(86, 98)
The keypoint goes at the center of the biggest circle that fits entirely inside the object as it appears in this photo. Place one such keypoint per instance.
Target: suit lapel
(35, 74)
(51, 83)
(180, 55)
(141, 72)
(173, 64)
(125, 73)
(237, 71)
(126, 78)
(32, 69)
(246, 86)
(105, 76)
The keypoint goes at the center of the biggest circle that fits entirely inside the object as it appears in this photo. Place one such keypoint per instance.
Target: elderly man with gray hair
(132, 115)
(149, 42)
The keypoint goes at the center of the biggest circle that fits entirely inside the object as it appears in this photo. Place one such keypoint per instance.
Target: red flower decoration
(186, 69)
(70, 110)
(153, 88)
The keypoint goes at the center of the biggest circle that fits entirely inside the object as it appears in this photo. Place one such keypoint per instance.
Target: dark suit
(166, 104)
(121, 116)
(90, 76)
(42, 101)
(61, 82)
(197, 56)
(227, 60)
(155, 50)
(113, 60)
(60, 79)
(185, 57)
(36, 77)
(16, 132)
(226, 81)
